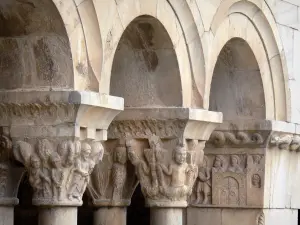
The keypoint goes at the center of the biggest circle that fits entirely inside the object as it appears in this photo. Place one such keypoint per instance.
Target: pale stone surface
(60, 60)
(241, 216)
(6, 215)
(110, 216)
(58, 216)
(166, 216)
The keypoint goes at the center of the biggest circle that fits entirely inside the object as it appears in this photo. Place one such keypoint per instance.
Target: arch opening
(145, 70)
(25, 213)
(237, 88)
(34, 46)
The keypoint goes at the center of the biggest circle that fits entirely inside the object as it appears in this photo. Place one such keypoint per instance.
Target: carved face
(256, 159)
(86, 153)
(256, 180)
(120, 155)
(180, 156)
(35, 162)
(217, 163)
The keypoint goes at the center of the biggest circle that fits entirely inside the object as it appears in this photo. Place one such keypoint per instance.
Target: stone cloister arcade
(193, 104)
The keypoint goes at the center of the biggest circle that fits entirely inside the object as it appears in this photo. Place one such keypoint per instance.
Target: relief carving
(113, 181)
(220, 138)
(144, 128)
(285, 142)
(229, 180)
(58, 174)
(163, 181)
(35, 110)
(9, 175)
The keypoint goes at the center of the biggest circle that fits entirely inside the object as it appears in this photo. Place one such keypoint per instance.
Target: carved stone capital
(165, 145)
(10, 175)
(113, 181)
(238, 161)
(59, 171)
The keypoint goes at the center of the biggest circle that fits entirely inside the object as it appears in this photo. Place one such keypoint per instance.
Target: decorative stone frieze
(56, 135)
(285, 141)
(233, 173)
(165, 145)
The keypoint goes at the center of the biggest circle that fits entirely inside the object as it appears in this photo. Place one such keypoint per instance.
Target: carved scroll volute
(10, 175)
(166, 171)
(113, 180)
(58, 173)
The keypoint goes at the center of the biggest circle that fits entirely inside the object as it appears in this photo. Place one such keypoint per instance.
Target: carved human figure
(83, 168)
(119, 171)
(203, 183)
(235, 164)
(40, 182)
(57, 176)
(141, 169)
(219, 164)
(178, 172)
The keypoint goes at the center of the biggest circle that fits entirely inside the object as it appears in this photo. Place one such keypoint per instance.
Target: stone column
(112, 184)
(57, 136)
(165, 145)
(249, 176)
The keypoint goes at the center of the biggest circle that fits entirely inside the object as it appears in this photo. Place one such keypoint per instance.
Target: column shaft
(110, 216)
(166, 216)
(6, 215)
(58, 216)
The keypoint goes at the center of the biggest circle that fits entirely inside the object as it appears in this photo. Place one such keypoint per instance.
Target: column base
(166, 216)
(226, 216)
(58, 216)
(110, 216)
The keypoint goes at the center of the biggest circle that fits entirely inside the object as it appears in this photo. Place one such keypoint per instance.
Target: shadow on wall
(34, 46)
(237, 88)
(145, 69)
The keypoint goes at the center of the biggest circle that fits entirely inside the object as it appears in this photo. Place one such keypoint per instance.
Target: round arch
(82, 26)
(145, 69)
(178, 21)
(247, 21)
(65, 33)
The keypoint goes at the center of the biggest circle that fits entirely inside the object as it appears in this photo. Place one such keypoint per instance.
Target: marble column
(57, 136)
(165, 145)
(110, 216)
(249, 175)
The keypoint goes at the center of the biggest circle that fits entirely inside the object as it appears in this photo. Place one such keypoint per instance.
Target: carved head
(256, 182)
(35, 161)
(219, 161)
(55, 160)
(86, 151)
(179, 154)
(235, 160)
(256, 159)
(120, 154)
